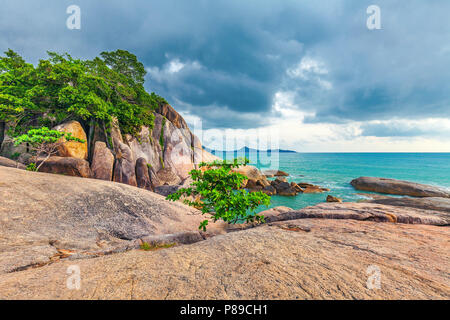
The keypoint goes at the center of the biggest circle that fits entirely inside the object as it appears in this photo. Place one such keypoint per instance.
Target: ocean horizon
(335, 170)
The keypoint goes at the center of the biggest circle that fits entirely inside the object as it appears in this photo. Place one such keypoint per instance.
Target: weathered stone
(428, 203)
(142, 175)
(102, 162)
(301, 259)
(275, 173)
(170, 114)
(331, 198)
(42, 214)
(269, 190)
(73, 149)
(125, 165)
(366, 212)
(399, 187)
(166, 176)
(5, 162)
(75, 167)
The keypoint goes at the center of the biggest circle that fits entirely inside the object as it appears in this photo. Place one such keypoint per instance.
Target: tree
(220, 193)
(45, 141)
(63, 88)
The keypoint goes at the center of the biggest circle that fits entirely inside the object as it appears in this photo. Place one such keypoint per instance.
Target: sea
(336, 170)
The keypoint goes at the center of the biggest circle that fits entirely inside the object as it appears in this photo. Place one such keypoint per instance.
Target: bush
(221, 195)
(44, 141)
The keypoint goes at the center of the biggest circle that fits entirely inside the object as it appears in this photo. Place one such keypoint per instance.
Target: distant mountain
(247, 150)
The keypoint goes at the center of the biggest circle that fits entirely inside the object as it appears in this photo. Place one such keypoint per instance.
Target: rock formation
(399, 187)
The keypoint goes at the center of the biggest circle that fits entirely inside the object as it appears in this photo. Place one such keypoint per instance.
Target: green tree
(220, 193)
(63, 88)
(44, 141)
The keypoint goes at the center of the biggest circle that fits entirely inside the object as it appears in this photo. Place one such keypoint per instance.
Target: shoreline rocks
(398, 187)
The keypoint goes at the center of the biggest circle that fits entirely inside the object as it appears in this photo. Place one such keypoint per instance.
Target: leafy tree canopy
(63, 88)
(216, 190)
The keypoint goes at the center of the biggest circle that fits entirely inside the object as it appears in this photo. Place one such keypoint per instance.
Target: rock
(125, 165)
(102, 162)
(269, 190)
(399, 187)
(166, 176)
(170, 114)
(73, 149)
(300, 259)
(280, 180)
(42, 214)
(166, 190)
(8, 148)
(366, 212)
(253, 173)
(296, 187)
(310, 188)
(275, 173)
(331, 198)
(5, 162)
(428, 203)
(75, 167)
(142, 175)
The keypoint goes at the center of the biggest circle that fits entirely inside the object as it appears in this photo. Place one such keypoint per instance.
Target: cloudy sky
(308, 74)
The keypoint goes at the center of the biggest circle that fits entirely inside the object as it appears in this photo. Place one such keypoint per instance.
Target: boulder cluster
(158, 156)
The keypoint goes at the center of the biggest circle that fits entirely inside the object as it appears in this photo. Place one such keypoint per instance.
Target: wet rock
(331, 198)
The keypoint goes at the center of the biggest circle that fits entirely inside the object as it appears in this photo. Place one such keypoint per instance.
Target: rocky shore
(50, 222)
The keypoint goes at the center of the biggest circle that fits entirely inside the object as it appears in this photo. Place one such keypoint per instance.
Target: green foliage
(161, 136)
(149, 165)
(15, 155)
(152, 247)
(63, 88)
(221, 195)
(43, 136)
(45, 141)
(31, 167)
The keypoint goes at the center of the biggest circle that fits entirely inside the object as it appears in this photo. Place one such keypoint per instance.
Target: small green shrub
(32, 167)
(15, 155)
(219, 189)
(45, 141)
(152, 247)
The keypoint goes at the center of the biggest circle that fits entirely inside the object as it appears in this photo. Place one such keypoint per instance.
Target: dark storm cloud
(224, 60)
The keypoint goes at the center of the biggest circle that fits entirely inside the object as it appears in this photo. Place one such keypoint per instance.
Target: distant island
(247, 150)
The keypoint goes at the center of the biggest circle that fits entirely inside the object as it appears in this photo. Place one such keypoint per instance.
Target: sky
(303, 75)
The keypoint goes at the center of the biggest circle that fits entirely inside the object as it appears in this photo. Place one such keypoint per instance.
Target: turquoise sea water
(336, 170)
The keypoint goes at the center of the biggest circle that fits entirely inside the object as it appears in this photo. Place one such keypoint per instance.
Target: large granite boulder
(44, 217)
(73, 149)
(75, 167)
(142, 174)
(125, 165)
(102, 162)
(399, 187)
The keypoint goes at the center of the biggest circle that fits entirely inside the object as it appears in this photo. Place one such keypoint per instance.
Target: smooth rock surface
(42, 215)
(366, 212)
(125, 165)
(75, 167)
(73, 149)
(102, 162)
(5, 162)
(399, 187)
(142, 175)
(301, 259)
(428, 203)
